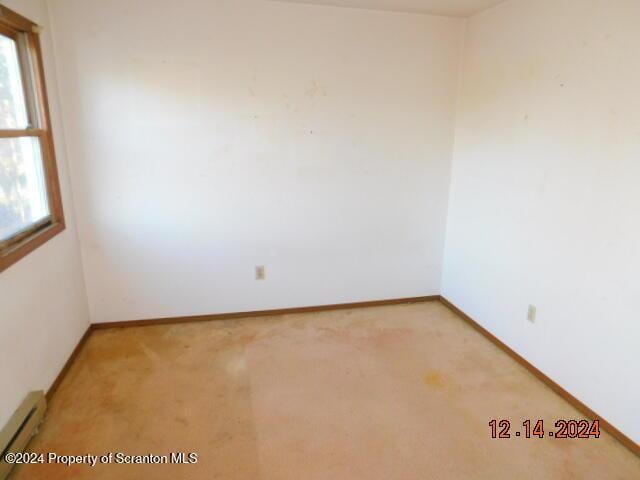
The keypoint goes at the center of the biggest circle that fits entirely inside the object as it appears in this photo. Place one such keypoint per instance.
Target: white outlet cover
(532, 313)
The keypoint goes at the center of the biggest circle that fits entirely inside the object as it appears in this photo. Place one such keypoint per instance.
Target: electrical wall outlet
(261, 274)
(532, 313)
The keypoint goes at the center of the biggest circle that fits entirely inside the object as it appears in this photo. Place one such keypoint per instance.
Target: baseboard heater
(23, 425)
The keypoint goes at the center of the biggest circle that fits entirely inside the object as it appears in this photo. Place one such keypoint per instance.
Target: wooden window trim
(20, 245)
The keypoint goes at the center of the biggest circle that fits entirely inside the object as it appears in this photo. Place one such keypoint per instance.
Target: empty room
(319, 239)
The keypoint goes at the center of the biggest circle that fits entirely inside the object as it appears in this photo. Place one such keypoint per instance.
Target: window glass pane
(23, 192)
(13, 107)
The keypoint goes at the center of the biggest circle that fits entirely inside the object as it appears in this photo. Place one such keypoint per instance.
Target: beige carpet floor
(400, 392)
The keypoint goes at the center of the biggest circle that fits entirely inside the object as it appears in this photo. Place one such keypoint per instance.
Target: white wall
(208, 137)
(43, 308)
(545, 200)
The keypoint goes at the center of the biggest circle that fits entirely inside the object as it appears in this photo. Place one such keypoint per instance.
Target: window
(30, 204)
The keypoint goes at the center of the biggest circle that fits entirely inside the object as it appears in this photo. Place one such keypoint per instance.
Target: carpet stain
(435, 380)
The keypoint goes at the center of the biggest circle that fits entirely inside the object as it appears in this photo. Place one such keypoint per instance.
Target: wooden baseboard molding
(262, 313)
(613, 431)
(65, 369)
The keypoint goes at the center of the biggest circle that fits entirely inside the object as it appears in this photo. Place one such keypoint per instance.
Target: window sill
(29, 244)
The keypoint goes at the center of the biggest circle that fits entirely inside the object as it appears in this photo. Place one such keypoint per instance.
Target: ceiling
(457, 8)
